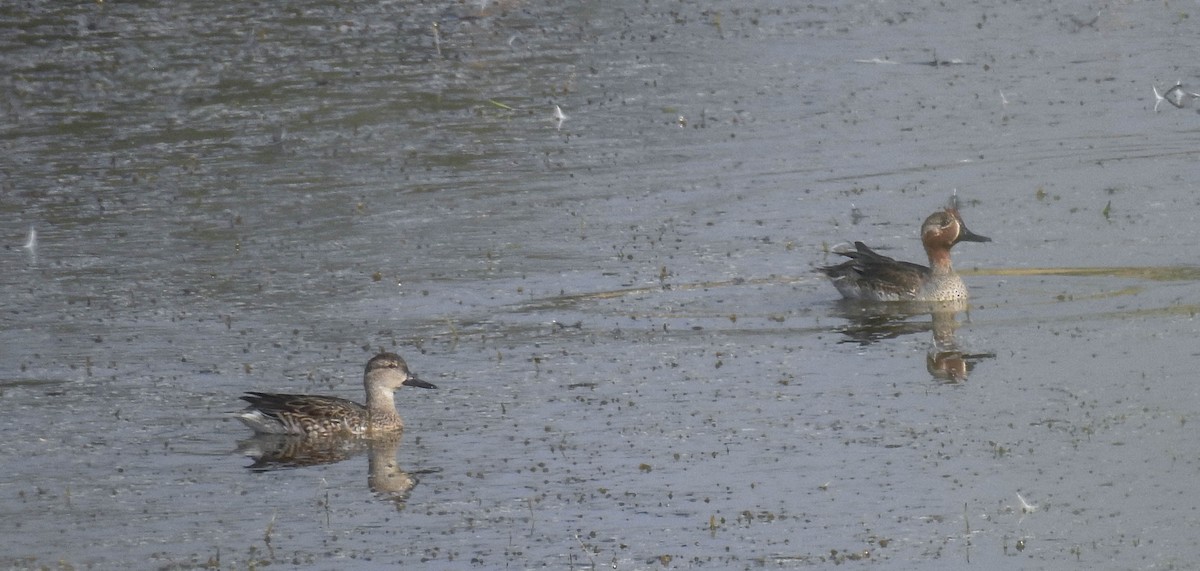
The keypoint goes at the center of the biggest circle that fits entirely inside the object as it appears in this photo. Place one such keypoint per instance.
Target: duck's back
(874, 277)
(312, 415)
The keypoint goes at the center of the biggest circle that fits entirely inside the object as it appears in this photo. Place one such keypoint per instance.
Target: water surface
(637, 367)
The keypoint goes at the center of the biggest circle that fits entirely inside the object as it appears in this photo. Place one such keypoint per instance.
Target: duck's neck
(939, 261)
(381, 405)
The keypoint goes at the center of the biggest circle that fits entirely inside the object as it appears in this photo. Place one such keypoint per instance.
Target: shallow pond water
(637, 367)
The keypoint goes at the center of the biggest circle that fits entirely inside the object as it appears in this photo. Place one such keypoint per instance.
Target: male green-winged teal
(874, 277)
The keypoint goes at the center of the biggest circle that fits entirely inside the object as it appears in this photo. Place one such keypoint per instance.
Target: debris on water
(1177, 95)
(935, 62)
(855, 214)
(943, 62)
(1026, 507)
(559, 116)
(31, 244)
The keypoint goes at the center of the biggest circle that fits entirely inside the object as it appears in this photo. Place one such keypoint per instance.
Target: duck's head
(945, 228)
(389, 370)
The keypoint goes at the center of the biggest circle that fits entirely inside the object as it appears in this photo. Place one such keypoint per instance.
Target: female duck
(873, 277)
(321, 416)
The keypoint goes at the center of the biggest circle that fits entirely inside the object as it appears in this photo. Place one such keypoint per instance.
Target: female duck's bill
(315, 415)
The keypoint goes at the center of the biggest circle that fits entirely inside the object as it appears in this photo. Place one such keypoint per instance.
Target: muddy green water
(637, 367)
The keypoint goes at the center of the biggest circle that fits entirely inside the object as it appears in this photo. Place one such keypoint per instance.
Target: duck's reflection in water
(385, 478)
(873, 322)
(945, 360)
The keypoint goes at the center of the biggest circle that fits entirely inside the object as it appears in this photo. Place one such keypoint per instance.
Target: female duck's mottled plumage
(313, 415)
(874, 277)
